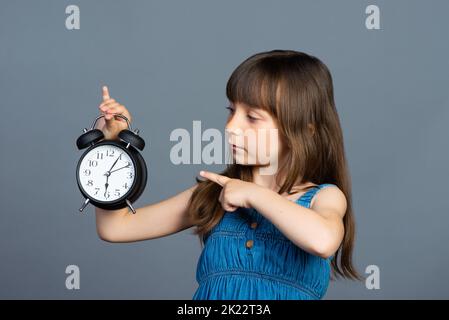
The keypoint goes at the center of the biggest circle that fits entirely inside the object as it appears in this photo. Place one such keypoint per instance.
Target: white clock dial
(101, 182)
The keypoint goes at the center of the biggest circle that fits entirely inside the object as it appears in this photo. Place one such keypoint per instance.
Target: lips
(236, 147)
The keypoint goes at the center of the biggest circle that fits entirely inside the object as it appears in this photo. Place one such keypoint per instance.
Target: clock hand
(120, 168)
(107, 174)
(106, 184)
(114, 163)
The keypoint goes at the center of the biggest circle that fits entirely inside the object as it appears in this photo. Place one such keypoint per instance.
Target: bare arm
(149, 222)
(318, 230)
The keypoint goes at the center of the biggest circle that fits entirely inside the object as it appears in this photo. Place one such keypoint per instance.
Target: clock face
(106, 173)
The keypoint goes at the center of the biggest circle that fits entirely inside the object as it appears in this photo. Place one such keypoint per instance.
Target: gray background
(168, 62)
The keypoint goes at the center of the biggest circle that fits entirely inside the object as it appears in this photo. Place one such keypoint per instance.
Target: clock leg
(130, 206)
(86, 202)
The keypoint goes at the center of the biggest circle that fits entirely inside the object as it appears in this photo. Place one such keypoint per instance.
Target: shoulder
(329, 197)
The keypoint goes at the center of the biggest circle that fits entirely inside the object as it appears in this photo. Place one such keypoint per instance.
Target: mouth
(234, 147)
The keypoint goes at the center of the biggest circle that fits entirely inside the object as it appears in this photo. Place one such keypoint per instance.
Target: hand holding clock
(102, 142)
(110, 125)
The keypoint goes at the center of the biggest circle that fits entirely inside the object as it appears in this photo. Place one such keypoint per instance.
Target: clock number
(110, 153)
(117, 192)
(96, 190)
(90, 183)
(87, 172)
(130, 175)
(100, 155)
(125, 185)
(93, 163)
(107, 195)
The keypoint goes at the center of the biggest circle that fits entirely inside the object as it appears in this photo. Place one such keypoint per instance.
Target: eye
(230, 109)
(251, 119)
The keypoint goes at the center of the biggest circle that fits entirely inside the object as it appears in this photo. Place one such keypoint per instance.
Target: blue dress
(246, 257)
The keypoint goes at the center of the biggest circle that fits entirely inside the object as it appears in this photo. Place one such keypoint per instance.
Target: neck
(268, 180)
(264, 180)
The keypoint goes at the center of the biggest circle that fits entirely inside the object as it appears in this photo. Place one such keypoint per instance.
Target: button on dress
(246, 257)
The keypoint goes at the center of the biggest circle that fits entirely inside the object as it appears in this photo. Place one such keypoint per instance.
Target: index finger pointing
(221, 180)
(105, 93)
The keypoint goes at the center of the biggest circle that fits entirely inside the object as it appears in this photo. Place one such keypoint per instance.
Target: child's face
(256, 132)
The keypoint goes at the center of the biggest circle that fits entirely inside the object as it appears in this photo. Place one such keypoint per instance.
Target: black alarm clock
(111, 174)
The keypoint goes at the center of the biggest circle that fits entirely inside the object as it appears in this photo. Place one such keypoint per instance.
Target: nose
(233, 132)
(235, 125)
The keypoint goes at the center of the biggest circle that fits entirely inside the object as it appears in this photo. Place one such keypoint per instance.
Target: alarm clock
(111, 174)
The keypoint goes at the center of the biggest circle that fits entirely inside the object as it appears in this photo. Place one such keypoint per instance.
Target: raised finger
(105, 93)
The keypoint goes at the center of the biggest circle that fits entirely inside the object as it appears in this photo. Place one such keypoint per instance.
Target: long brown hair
(297, 90)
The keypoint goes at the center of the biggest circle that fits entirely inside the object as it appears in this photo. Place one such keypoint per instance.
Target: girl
(281, 235)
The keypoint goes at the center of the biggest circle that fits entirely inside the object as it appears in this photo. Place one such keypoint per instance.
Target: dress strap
(306, 198)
